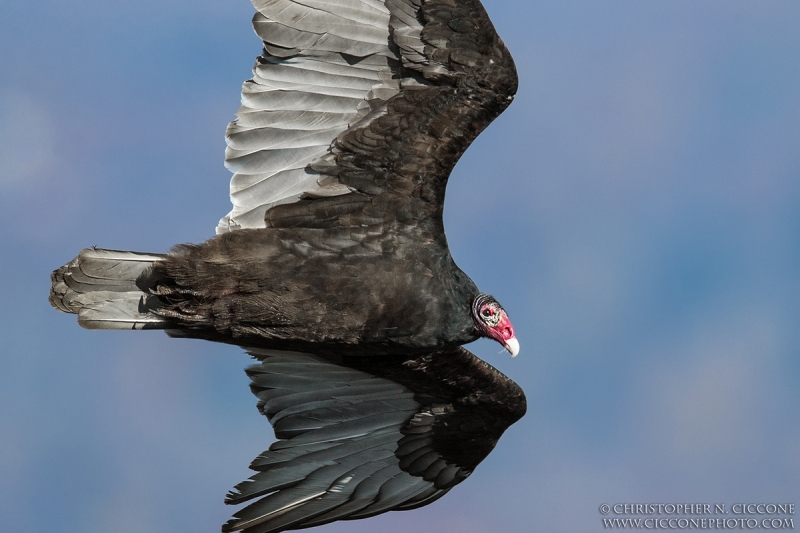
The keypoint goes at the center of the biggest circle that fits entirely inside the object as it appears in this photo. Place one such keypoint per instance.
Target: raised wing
(364, 435)
(359, 109)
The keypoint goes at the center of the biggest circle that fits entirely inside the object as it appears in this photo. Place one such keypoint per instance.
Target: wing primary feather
(364, 494)
(400, 488)
(359, 437)
(424, 499)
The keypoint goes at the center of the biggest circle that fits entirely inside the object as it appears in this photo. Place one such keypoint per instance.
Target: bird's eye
(487, 312)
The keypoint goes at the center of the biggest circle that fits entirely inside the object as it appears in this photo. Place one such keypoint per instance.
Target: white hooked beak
(512, 345)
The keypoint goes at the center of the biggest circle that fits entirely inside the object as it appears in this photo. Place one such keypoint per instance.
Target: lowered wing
(360, 436)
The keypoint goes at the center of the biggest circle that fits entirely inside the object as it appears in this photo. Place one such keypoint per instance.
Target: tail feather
(100, 286)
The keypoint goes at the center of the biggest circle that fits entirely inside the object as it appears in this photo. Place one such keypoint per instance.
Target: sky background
(636, 210)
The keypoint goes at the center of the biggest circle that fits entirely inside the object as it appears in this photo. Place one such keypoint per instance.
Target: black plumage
(333, 268)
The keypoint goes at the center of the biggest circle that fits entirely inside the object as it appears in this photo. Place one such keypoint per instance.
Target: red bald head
(493, 322)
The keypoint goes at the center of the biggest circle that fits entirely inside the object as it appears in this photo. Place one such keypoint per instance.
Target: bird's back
(294, 286)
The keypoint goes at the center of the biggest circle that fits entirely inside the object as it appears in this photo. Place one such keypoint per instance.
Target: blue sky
(636, 210)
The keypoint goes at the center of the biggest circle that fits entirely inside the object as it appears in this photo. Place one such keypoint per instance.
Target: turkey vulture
(332, 270)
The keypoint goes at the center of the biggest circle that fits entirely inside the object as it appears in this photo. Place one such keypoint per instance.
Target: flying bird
(332, 269)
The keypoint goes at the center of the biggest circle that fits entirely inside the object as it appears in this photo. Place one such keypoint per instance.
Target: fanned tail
(100, 286)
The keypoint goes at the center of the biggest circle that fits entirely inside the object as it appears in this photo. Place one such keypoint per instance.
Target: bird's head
(492, 321)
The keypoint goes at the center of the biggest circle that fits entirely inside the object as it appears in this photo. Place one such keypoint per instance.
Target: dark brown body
(366, 290)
